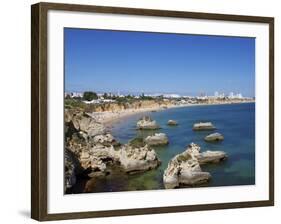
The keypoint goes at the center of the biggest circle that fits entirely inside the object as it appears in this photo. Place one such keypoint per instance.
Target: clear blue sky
(112, 61)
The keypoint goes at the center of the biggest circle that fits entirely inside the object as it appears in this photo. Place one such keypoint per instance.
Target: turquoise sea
(235, 121)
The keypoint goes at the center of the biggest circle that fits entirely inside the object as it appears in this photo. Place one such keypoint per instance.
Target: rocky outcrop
(83, 122)
(211, 157)
(146, 123)
(202, 126)
(141, 104)
(157, 139)
(106, 140)
(98, 151)
(184, 168)
(207, 156)
(137, 159)
(72, 168)
(127, 157)
(172, 122)
(214, 137)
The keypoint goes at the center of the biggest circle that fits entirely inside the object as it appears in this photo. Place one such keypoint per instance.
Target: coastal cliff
(116, 107)
(92, 151)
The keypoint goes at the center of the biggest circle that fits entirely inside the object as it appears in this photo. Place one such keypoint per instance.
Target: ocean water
(235, 121)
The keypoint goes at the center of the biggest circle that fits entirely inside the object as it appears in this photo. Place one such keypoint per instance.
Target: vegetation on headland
(92, 102)
(89, 96)
(137, 142)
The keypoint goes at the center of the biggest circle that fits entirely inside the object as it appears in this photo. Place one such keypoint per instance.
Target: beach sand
(108, 117)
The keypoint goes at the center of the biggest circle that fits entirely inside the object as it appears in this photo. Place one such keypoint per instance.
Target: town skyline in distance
(216, 94)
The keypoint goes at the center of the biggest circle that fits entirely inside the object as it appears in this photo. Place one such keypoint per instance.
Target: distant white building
(171, 96)
(235, 96)
(108, 101)
(92, 102)
(201, 97)
(76, 94)
(98, 101)
(155, 95)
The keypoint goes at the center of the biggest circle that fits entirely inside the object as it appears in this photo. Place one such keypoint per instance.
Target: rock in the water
(128, 157)
(214, 137)
(172, 122)
(201, 126)
(184, 169)
(146, 123)
(104, 152)
(157, 139)
(138, 159)
(207, 156)
(211, 157)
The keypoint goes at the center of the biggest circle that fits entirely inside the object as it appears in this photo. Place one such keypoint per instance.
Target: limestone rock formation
(146, 123)
(184, 168)
(83, 122)
(137, 159)
(157, 139)
(214, 137)
(172, 122)
(127, 157)
(202, 126)
(211, 157)
(207, 156)
(72, 169)
(97, 151)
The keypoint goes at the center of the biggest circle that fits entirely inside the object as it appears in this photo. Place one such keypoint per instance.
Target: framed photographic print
(141, 111)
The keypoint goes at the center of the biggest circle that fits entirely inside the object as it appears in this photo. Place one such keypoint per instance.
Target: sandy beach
(108, 117)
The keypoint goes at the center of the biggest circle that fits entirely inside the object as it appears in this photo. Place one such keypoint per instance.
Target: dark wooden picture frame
(39, 121)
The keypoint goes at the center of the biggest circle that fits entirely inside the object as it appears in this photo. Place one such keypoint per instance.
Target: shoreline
(107, 118)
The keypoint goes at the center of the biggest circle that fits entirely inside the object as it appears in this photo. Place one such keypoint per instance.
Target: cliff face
(92, 151)
(115, 107)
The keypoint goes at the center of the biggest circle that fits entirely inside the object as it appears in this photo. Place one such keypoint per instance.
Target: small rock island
(214, 137)
(172, 123)
(185, 169)
(146, 123)
(203, 126)
(157, 139)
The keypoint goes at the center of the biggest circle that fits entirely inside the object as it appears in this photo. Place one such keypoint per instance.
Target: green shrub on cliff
(74, 103)
(137, 142)
(89, 96)
(183, 158)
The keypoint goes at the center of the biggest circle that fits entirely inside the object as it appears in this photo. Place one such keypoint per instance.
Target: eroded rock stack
(146, 123)
(157, 139)
(214, 137)
(184, 168)
(203, 126)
